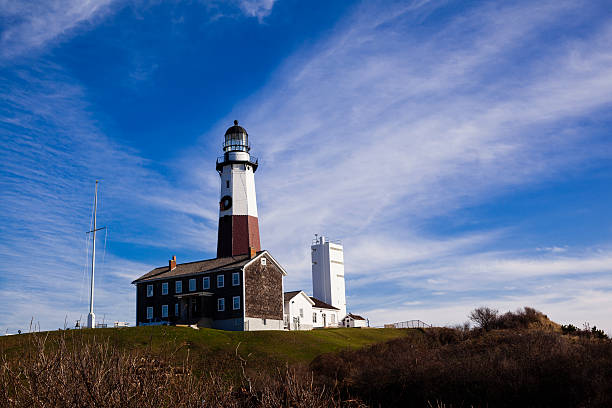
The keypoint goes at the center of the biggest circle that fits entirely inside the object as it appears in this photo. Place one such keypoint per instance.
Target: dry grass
(519, 359)
(85, 373)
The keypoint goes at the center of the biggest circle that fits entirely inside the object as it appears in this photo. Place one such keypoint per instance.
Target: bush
(82, 373)
(498, 368)
(588, 332)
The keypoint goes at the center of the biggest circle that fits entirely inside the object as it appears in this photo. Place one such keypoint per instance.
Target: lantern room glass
(236, 142)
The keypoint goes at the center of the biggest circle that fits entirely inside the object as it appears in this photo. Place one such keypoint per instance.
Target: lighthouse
(238, 224)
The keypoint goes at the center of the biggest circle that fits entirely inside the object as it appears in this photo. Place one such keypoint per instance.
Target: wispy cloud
(386, 124)
(256, 8)
(32, 24)
(390, 121)
(53, 150)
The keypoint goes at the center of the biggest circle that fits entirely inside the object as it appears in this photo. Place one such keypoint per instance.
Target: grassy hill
(280, 346)
(513, 359)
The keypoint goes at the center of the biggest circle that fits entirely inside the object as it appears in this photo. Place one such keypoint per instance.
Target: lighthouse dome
(235, 129)
(236, 139)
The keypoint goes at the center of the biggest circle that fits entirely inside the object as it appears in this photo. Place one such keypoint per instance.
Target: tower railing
(316, 241)
(253, 160)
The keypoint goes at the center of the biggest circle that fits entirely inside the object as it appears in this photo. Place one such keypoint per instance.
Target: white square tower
(328, 273)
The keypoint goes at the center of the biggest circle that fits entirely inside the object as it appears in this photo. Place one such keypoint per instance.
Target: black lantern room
(236, 139)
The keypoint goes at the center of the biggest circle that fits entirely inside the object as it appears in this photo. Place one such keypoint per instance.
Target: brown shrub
(83, 373)
(498, 369)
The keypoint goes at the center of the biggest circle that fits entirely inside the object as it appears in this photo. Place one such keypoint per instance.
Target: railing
(317, 240)
(409, 324)
(253, 160)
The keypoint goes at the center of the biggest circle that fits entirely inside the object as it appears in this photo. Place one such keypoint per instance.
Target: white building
(327, 308)
(352, 320)
(303, 312)
(324, 315)
(298, 310)
(328, 273)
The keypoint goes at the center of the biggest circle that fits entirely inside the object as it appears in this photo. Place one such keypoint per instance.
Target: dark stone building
(242, 292)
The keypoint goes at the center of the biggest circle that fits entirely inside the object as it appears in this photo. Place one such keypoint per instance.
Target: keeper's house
(230, 293)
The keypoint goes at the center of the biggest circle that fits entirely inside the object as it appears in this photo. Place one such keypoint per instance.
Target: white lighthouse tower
(238, 223)
(328, 273)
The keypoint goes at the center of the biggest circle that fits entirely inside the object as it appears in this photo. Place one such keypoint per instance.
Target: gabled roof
(208, 265)
(355, 317)
(322, 305)
(265, 251)
(191, 268)
(287, 296)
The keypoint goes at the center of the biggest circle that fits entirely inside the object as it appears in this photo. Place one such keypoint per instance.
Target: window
(314, 317)
(176, 309)
(192, 285)
(301, 312)
(226, 183)
(164, 310)
(236, 278)
(333, 318)
(206, 283)
(149, 290)
(264, 261)
(221, 304)
(220, 281)
(236, 300)
(165, 288)
(149, 313)
(178, 286)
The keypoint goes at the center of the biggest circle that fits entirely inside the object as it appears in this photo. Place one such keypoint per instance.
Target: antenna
(91, 317)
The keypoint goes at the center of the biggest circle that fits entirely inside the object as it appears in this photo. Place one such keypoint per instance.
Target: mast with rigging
(91, 317)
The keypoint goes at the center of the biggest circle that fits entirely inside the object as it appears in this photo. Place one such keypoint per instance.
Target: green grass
(280, 346)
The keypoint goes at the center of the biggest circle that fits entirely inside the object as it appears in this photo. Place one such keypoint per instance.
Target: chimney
(172, 263)
(252, 252)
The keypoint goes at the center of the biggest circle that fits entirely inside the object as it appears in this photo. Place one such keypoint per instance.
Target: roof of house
(191, 268)
(291, 294)
(322, 305)
(355, 317)
(287, 296)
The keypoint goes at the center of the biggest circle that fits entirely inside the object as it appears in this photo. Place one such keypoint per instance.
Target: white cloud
(256, 8)
(35, 23)
(382, 126)
(364, 136)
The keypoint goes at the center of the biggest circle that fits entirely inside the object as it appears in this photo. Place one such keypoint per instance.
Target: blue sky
(460, 150)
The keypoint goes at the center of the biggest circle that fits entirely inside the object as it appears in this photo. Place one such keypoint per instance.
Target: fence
(409, 324)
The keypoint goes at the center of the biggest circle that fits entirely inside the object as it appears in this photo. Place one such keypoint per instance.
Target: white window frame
(220, 281)
(236, 279)
(301, 312)
(206, 282)
(149, 290)
(220, 304)
(234, 299)
(149, 312)
(264, 261)
(178, 286)
(314, 317)
(192, 281)
(176, 309)
(164, 310)
(164, 288)
(333, 318)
